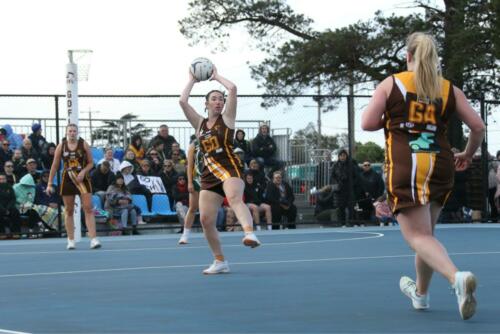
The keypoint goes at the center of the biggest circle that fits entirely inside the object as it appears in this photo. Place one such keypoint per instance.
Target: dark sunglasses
(153, 153)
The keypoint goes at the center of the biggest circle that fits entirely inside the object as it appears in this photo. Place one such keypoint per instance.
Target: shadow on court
(302, 281)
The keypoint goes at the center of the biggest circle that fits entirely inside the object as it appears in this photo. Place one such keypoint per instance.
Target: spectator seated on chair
(177, 148)
(15, 140)
(119, 204)
(130, 157)
(164, 138)
(9, 214)
(113, 162)
(279, 196)
(101, 178)
(132, 182)
(8, 169)
(38, 215)
(181, 197)
(137, 147)
(168, 176)
(5, 153)
(19, 164)
(383, 211)
(38, 141)
(52, 201)
(28, 151)
(243, 144)
(47, 157)
(325, 210)
(254, 199)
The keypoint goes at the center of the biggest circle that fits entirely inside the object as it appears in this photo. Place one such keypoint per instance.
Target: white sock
(186, 231)
(269, 227)
(258, 228)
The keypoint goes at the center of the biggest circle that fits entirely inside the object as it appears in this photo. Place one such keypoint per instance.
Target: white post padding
(73, 118)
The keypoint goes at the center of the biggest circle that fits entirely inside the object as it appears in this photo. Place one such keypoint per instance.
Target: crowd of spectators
(25, 163)
(345, 192)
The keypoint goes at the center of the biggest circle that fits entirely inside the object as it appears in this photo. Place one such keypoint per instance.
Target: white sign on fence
(153, 183)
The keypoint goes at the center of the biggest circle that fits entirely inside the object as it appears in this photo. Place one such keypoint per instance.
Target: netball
(201, 68)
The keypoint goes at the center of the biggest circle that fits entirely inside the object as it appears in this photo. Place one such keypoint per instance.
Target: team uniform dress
(74, 162)
(220, 163)
(419, 163)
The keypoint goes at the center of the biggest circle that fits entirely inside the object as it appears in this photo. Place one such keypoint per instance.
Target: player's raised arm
(193, 117)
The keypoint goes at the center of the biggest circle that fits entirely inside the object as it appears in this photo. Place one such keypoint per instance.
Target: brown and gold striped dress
(74, 162)
(220, 163)
(419, 163)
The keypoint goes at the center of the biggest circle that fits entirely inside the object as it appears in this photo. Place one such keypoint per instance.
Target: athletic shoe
(409, 288)
(251, 240)
(183, 240)
(465, 285)
(94, 243)
(71, 245)
(217, 267)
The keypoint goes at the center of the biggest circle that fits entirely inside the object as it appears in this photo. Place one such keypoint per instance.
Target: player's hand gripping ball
(202, 69)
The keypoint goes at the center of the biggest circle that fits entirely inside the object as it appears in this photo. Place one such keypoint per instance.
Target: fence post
(484, 156)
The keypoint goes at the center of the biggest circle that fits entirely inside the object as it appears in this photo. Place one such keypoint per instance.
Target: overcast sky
(138, 49)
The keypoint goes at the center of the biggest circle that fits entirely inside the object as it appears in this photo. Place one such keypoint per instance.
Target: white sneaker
(183, 240)
(71, 244)
(217, 267)
(409, 288)
(250, 240)
(94, 243)
(465, 285)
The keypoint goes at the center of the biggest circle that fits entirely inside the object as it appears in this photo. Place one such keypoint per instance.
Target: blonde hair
(427, 71)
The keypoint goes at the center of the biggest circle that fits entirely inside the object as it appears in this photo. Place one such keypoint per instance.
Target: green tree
(369, 151)
(300, 57)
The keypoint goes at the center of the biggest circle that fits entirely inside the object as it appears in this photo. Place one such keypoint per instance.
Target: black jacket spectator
(8, 169)
(41, 196)
(9, 215)
(345, 187)
(263, 145)
(19, 164)
(28, 151)
(102, 177)
(48, 156)
(371, 183)
(280, 196)
(5, 153)
(38, 141)
(253, 193)
(373, 187)
(241, 142)
(169, 178)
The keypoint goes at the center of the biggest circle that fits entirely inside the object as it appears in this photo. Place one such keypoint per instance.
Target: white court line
(371, 235)
(331, 259)
(6, 331)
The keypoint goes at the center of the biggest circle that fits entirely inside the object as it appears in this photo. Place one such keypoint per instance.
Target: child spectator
(383, 211)
(119, 204)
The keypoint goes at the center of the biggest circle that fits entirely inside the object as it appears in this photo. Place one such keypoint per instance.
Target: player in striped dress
(222, 174)
(413, 108)
(77, 163)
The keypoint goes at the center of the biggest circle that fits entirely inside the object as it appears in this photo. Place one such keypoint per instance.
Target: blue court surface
(329, 280)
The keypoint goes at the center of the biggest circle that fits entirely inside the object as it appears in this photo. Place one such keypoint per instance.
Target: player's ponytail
(427, 71)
